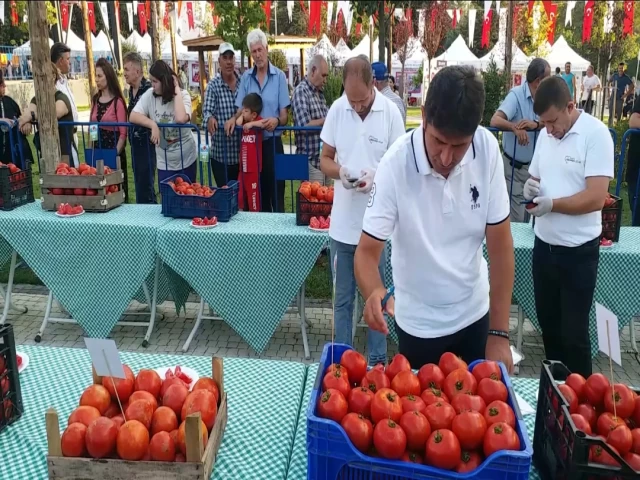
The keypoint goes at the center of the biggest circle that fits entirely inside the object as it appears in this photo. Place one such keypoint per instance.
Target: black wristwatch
(278, 118)
(537, 125)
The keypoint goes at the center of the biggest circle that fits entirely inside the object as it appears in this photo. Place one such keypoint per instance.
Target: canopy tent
(101, 45)
(75, 44)
(24, 50)
(562, 53)
(363, 48)
(141, 43)
(519, 61)
(327, 50)
(457, 54)
(342, 48)
(182, 52)
(417, 56)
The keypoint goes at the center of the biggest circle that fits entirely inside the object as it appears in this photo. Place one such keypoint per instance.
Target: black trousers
(632, 182)
(564, 279)
(469, 344)
(271, 191)
(143, 154)
(224, 173)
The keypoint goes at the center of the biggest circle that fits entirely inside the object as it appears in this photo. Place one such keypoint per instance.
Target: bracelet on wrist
(499, 333)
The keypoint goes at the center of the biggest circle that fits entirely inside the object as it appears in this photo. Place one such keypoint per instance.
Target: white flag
(329, 12)
(487, 7)
(497, 5)
(290, 9)
(1, 11)
(130, 15)
(135, 7)
(472, 25)
(570, 6)
(422, 15)
(608, 18)
(105, 14)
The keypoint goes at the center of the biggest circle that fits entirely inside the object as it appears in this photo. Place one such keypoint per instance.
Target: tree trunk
(382, 31)
(402, 79)
(174, 53)
(44, 86)
(389, 50)
(508, 48)
(156, 54)
(114, 26)
(88, 48)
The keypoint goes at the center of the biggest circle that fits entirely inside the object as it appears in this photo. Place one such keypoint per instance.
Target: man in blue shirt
(271, 84)
(623, 86)
(520, 125)
(570, 80)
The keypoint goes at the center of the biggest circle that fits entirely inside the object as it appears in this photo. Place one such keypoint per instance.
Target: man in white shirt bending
(570, 174)
(590, 85)
(61, 55)
(360, 127)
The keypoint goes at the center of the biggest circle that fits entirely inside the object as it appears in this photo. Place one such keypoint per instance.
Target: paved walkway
(216, 337)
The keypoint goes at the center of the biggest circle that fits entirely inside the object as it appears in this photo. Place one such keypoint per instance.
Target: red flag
(627, 28)
(190, 21)
(552, 14)
(358, 29)
(340, 23)
(486, 30)
(142, 18)
(547, 6)
(267, 12)
(147, 9)
(64, 12)
(454, 20)
(314, 18)
(587, 22)
(434, 14)
(408, 14)
(516, 10)
(165, 16)
(530, 6)
(14, 13)
(92, 17)
(303, 6)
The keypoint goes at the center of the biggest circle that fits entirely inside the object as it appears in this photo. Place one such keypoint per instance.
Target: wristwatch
(537, 125)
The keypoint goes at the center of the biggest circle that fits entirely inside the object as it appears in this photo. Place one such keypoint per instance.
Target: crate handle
(516, 408)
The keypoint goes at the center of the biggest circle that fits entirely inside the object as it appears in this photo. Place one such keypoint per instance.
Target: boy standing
(250, 154)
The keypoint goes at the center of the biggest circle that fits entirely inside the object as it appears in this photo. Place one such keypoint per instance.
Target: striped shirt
(391, 95)
(308, 103)
(220, 103)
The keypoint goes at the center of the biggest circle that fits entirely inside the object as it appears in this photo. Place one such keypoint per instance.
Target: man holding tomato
(439, 193)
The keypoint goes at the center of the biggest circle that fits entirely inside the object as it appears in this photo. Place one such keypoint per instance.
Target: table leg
(154, 300)
(7, 294)
(632, 334)
(519, 336)
(196, 326)
(47, 313)
(303, 322)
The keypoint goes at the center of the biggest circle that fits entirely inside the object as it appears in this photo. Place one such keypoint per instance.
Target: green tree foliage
(495, 83)
(532, 40)
(278, 59)
(19, 34)
(236, 22)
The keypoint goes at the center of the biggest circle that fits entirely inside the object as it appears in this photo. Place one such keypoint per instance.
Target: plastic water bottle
(204, 153)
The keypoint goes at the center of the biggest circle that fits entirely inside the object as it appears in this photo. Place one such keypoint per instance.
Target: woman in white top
(167, 103)
(590, 85)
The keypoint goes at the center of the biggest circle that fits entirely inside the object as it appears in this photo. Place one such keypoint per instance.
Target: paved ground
(215, 337)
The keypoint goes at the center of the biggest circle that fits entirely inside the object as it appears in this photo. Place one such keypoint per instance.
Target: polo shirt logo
(373, 139)
(475, 195)
(569, 159)
(372, 195)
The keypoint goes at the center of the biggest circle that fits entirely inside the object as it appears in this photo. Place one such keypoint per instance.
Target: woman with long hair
(108, 106)
(9, 113)
(167, 103)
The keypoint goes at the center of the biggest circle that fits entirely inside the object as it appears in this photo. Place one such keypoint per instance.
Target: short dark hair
(455, 100)
(552, 92)
(536, 69)
(57, 50)
(1, 77)
(253, 102)
(557, 69)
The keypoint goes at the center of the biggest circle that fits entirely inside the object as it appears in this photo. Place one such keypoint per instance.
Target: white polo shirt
(563, 167)
(359, 144)
(437, 227)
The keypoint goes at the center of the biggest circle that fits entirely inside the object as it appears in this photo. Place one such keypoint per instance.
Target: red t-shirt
(251, 151)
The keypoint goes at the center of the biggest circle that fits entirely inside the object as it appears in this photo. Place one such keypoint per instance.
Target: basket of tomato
(10, 396)
(585, 428)
(16, 187)
(314, 200)
(447, 421)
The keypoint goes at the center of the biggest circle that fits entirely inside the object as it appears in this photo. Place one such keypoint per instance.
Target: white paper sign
(105, 357)
(525, 408)
(606, 320)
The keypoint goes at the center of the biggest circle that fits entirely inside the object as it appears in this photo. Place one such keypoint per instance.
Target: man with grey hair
(520, 126)
(143, 152)
(309, 110)
(360, 127)
(270, 83)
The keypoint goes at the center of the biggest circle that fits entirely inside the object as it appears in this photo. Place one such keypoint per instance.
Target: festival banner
(486, 30)
(552, 14)
(142, 18)
(587, 22)
(92, 17)
(627, 28)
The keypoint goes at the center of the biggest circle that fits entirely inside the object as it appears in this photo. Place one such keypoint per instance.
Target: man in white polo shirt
(439, 192)
(360, 127)
(570, 174)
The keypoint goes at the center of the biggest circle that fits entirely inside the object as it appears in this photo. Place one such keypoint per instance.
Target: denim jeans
(344, 301)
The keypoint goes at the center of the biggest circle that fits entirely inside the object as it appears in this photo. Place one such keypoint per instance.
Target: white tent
(562, 53)
(417, 56)
(457, 54)
(24, 50)
(181, 51)
(76, 45)
(327, 50)
(519, 61)
(142, 43)
(342, 48)
(363, 49)
(101, 45)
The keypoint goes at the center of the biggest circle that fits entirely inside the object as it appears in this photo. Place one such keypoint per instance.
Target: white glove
(345, 176)
(543, 206)
(365, 182)
(531, 189)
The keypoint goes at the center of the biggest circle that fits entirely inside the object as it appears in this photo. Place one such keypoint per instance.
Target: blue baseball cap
(379, 71)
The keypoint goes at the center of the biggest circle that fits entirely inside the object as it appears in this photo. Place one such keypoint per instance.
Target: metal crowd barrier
(633, 194)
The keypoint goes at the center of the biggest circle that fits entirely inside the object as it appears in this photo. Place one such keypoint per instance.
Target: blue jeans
(344, 301)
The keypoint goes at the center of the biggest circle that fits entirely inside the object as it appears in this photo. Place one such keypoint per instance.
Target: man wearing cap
(382, 84)
(220, 108)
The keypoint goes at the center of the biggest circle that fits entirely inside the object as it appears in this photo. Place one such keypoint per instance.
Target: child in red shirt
(250, 153)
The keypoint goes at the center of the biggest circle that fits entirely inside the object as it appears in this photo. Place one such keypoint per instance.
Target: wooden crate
(200, 458)
(102, 202)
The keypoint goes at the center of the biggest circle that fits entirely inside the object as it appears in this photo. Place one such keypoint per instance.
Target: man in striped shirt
(382, 84)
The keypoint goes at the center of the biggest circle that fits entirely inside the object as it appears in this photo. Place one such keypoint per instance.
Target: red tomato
(460, 381)
(633, 459)
(78, 191)
(595, 388)
(621, 438)
(450, 362)
(73, 440)
(360, 401)
(499, 412)
(359, 430)
(443, 450)
(607, 422)
(570, 397)
(469, 461)
(337, 367)
(133, 440)
(375, 379)
(636, 412)
(338, 381)
(487, 369)
(581, 423)
(589, 414)
(601, 456)
(101, 437)
(417, 429)
(463, 403)
(389, 439)
(412, 457)
(622, 397)
(433, 395)
(491, 390)
(162, 448)
(577, 383)
(635, 446)
(440, 415)
(406, 383)
(412, 403)
(500, 436)
(332, 405)
(430, 376)
(470, 428)
(356, 365)
(386, 404)
(397, 365)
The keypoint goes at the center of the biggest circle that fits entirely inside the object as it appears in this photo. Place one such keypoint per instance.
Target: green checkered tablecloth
(5, 250)
(527, 388)
(94, 264)
(259, 434)
(247, 270)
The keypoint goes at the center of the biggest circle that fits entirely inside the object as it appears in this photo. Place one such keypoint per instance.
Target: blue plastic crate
(223, 204)
(331, 455)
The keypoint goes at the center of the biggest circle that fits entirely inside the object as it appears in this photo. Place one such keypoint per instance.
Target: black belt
(514, 163)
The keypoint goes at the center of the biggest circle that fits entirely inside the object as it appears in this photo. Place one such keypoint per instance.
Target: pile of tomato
(445, 416)
(204, 222)
(182, 187)
(83, 170)
(155, 410)
(320, 223)
(66, 209)
(611, 413)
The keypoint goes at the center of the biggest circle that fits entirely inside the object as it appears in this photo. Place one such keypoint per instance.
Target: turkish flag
(516, 11)
(190, 21)
(486, 30)
(627, 28)
(530, 6)
(142, 18)
(92, 17)
(552, 14)
(587, 22)
(267, 12)
(147, 9)
(64, 12)
(14, 13)
(165, 16)
(314, 18)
